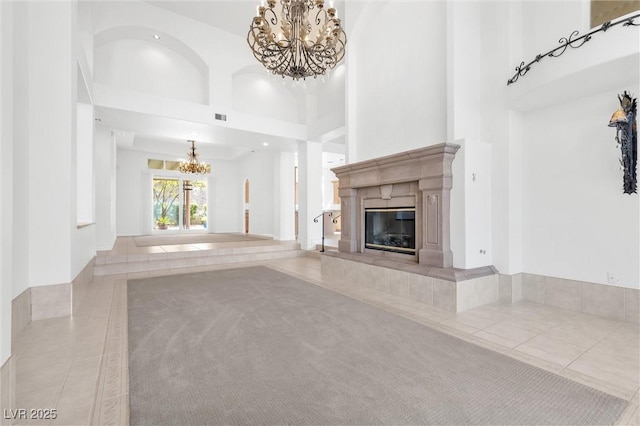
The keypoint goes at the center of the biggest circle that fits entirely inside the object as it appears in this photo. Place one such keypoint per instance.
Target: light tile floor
(78, 365)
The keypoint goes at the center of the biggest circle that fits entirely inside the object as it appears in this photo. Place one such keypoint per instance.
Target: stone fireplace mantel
(420, 178)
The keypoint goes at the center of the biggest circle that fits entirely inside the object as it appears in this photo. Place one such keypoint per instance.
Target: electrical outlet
(612, 278)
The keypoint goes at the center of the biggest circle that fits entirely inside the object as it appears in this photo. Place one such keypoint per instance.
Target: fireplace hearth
(395, 234)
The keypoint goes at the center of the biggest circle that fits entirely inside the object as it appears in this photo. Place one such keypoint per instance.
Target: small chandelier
(193, 165)
(288, 43)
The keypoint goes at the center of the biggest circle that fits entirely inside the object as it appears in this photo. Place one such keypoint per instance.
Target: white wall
(547, 21)
(577, 222)
(479, 58)
(85, 30)
(256, 92)
(397, 69)
(478, 194)
(6, 172)
(330, 93)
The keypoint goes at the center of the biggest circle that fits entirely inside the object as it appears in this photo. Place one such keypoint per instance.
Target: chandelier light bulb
(297, 38)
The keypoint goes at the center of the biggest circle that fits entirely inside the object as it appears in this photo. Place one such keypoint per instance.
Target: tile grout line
(587, 350)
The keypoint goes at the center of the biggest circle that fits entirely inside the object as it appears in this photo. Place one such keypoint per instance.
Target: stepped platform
(162, 252)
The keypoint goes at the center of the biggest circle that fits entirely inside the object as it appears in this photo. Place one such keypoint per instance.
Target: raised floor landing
(162, 252)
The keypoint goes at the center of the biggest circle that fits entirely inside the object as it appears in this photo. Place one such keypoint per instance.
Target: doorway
(179, 204)
(246, 206)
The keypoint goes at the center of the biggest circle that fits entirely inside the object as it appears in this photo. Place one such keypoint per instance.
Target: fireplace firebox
(391, 229)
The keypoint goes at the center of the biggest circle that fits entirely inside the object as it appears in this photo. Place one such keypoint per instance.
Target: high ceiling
(137, 130)
(232, 16)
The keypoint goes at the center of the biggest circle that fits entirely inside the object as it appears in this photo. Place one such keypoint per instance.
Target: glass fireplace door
(391, 229)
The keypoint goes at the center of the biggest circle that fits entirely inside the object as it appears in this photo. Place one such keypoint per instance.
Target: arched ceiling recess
(147, 34)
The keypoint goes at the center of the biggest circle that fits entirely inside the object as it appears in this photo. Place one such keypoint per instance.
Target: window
(179, 204)
(155, 164)
(162, 164)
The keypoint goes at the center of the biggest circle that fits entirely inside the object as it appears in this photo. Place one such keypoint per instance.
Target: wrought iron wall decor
(624, 120)
(572, 41)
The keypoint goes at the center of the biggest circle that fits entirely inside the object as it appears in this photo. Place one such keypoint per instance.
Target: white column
(284, 196)
(51, 207)
(309, 193)
(515, 194)
(105, 175)
(20, 143)
(85, 176)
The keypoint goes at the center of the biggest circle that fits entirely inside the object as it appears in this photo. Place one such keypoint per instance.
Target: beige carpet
(256, 346)
(164, 240)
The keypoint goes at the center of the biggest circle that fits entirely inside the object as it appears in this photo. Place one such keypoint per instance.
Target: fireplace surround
(420, 179)
(395, 231)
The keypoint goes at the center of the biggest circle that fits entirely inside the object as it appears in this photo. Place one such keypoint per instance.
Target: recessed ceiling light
(265, 143)
(156, 36)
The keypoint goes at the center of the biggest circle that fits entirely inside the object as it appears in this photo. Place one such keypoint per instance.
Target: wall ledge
(447, 274)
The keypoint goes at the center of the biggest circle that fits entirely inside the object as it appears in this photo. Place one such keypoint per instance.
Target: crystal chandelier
(193, 165)
(288, 43)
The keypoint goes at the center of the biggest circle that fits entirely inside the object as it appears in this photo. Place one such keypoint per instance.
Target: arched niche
(131, 58)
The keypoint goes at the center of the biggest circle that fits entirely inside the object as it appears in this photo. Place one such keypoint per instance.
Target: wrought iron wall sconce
(624, 120)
